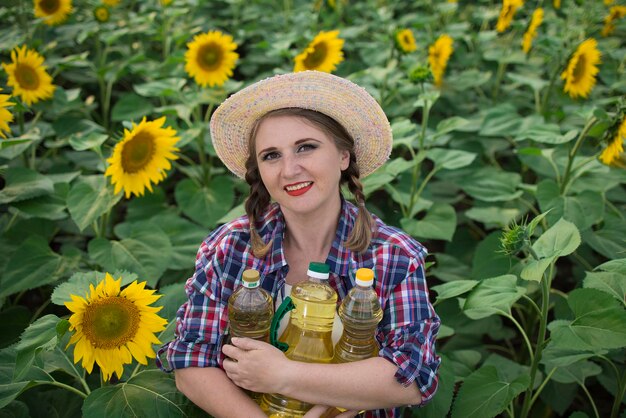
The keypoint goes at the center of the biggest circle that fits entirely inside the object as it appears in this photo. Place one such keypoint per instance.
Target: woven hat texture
(349, 104)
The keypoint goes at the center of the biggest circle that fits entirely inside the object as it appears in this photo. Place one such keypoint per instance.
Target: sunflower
(612, 154)
(102, 14)
(141, 157)
(509, 7)
(580, 74)
(5, 116)
(28, 76)
(531, 32)
(556, 4)
(438, 56)
(616, 12)
(405, 41)
(322, 54)
(112, 326)
(210, 58)
(111, 3)
(53, 12)
(608, 2)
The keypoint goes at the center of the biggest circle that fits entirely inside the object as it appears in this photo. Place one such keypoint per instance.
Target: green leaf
(534, 269)
(451, 124)
(450, 159)
(147, 253)
(150, 393)
(599, 322)
(576, 372)
(610, 240)
(205, 205)
(533, 82)
(79, 283)
(23, 183)
(439, 223)
(559, 240)
(130, 107)
(584, 209)
(493, 296)
(488, 260)
(40, 335)
(398, 166)
(468, 79)
(548, 133)
(493, 215)
(82, 141)
(89, 198)
(33, 264)
(453, 289)
(490, 184)
(617, 266)
(449, 268)
(484, 394)
(13, 321)
(613, 283)
(159, 88)
(502, 121)
(47, 207)
(553, 356)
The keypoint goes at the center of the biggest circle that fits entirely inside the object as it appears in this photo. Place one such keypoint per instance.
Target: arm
(210, 389)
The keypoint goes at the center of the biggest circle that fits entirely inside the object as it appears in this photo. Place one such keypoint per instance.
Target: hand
(323, 411)
(255, 365)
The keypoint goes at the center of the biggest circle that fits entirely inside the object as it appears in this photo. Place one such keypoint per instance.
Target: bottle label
(250, 285)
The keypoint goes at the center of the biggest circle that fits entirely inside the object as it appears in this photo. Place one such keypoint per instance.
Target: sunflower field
(509, 124)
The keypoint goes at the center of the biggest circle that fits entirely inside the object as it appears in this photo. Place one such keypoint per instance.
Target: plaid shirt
(406, 334)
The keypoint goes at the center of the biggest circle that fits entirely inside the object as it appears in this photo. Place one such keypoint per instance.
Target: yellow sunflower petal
(53, 12)
(210, 58)
(581, 70)
(438, 55)
(324, 53)
(28, 76)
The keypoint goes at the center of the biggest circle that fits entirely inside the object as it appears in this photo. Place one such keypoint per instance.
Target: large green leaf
(576, 372)
(493, 296)
(559, 240)
(548, 133)
(534, 269)
(493, 215)
(553, 356)
(23, 183)
(10, 388)
(617, 266)
(450, 159)
(439, 223)
(89, 198)
(599, 322)
(130, 107)
(488, 260)
(146, 252)
(501, 120)
(39, 336)
(48, 207)
(79, 283)
(492, 185)
(32, 265)
(610, 240)
(613, 283)
(453, 289)
(584, 210)
(449, 268)
(150, 393)
(205, 205)
(484, 394)
(160, 88)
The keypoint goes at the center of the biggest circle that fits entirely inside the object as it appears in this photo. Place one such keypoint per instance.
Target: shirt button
(421, 338)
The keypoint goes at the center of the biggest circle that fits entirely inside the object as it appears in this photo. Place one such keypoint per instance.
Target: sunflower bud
(514, 238)
(420, 74)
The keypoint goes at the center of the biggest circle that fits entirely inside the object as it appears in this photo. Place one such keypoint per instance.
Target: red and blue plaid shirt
(406, 334)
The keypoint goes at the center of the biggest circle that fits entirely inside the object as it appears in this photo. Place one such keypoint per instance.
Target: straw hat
(349, 104)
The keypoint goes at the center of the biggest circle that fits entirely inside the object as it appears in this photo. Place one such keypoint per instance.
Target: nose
(291, 166)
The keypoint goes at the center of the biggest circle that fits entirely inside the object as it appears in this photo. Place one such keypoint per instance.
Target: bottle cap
(364, 277)
(318, 270)
(251, 278)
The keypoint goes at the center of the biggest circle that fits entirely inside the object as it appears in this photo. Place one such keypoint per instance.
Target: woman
(296, 139)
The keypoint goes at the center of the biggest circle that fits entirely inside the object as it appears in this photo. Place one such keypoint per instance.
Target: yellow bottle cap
(364, 277)
(250, 278)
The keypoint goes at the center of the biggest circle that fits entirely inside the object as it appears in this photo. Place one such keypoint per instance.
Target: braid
(256, 203)
(361, 234)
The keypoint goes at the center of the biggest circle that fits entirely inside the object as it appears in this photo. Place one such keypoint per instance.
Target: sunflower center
(111, 322)
(579, 69)
(210, 56)
(27, 77)
(138, 152)
(50, 6)
(317, 57)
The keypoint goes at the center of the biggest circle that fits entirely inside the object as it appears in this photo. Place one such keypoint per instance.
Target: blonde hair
(259, 199)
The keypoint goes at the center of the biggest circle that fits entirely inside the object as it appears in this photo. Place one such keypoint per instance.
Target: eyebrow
(298, 142)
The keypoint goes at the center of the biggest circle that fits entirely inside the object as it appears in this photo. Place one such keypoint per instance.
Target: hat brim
(349, 104)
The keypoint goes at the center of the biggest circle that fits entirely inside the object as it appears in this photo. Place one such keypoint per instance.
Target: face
(300, 165)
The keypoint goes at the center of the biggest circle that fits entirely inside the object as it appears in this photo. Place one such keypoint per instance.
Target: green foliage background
(537, 331)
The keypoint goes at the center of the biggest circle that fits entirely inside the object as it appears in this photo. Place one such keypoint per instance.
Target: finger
(248, 343)
(231, 351)
(229, 365)
(316, 411)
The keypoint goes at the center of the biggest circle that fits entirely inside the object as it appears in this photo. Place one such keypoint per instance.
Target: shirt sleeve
(408, 335)
(201, 322)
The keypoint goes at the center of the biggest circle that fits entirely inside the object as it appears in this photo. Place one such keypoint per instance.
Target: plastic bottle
(250, 312)
(360, 314)
(308, 334)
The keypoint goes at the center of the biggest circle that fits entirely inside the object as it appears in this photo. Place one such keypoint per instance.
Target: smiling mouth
(298, 189)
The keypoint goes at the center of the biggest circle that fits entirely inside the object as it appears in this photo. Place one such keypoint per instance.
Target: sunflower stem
(80, 376)
(548, 92)
(572, 154)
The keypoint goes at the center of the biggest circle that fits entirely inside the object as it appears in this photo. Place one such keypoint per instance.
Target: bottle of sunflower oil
(360, 314)
(250, 312)
(308, 334)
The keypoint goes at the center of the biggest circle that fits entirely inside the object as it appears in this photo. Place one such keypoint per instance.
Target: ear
(345, 159)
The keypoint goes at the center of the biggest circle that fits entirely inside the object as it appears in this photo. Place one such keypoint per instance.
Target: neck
(312, 234)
